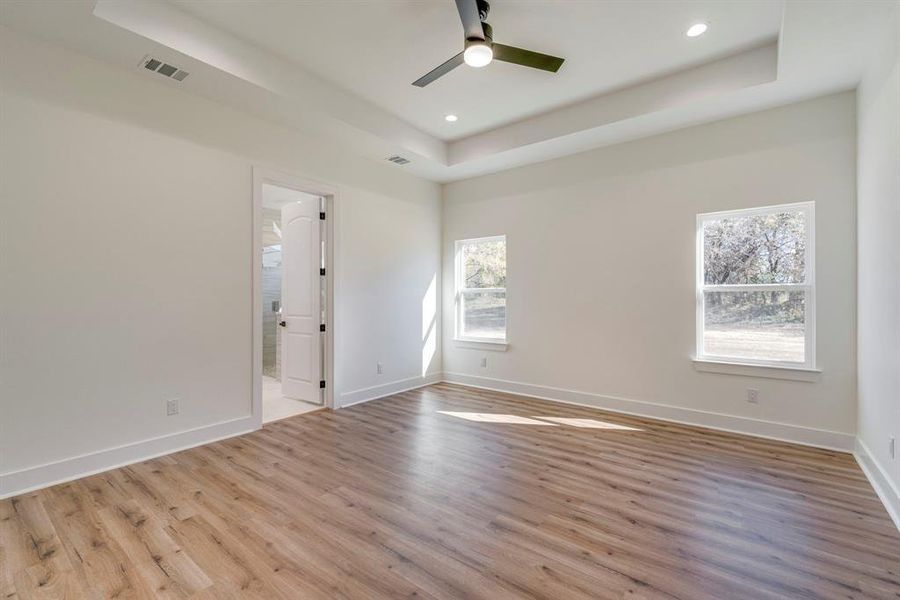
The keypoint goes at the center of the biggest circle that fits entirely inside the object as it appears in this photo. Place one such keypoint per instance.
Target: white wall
(879, 266)
(125, 263)
(601, 269)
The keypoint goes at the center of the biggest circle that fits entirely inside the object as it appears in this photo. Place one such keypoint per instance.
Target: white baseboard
(386, 389)
(878, 477)
(820, 438)
(41, 476)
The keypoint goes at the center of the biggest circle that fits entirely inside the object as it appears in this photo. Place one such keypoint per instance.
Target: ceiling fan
(480, 47)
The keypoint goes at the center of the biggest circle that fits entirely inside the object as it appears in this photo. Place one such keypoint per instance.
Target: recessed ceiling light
(697, 29)
(451, 118)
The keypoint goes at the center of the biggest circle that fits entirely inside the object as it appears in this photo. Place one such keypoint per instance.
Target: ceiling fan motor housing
(483, 9)
(488, 36)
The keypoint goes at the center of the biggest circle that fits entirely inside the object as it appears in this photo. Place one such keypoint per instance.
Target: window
(755, 286)
(481, 289)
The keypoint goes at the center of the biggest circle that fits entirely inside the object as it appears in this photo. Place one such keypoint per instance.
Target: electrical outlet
(484, 362)
(379, 368)
(753, 395)
(171, 407)
(892, 448)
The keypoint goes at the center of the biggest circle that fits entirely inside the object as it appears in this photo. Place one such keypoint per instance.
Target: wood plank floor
(450, 492)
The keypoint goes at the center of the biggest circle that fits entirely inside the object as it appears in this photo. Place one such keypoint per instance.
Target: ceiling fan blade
(439, 71)
(471, 19)
(527, 58)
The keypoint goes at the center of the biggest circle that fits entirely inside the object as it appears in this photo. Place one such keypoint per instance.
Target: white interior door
(301, 357)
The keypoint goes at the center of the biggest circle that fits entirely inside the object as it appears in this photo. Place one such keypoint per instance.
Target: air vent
(398, 160)
(163, 68)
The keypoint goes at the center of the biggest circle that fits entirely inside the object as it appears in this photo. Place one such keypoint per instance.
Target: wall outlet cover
(172, 406)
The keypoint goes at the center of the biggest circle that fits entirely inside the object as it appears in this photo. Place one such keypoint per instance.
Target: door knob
(282, 323)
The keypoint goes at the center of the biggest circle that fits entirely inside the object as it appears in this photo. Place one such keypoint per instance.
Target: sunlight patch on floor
(538, 420)
(495, 418)
(589, 423)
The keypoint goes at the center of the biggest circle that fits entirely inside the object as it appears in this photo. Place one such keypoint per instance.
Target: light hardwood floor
(395, 498)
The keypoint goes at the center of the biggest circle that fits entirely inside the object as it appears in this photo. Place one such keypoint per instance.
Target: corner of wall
(878, 477)
(877, 345)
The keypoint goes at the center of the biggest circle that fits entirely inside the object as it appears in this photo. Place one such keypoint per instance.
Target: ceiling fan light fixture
(478, 54)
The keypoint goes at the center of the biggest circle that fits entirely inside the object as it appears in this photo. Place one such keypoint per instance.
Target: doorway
(291, 298)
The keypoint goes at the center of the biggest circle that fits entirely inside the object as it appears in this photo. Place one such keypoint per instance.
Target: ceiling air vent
(163, 68)
(398, 160)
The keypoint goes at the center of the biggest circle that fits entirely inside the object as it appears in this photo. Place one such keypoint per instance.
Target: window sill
(493, 345)
(751, 370)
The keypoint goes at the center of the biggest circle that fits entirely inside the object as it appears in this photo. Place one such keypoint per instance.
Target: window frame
(459, 290)
(808, 287)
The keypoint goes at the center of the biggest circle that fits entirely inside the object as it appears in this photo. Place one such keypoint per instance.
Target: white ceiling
(342, 69)
(377, 49)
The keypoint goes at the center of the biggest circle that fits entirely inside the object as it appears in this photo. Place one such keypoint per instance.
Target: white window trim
(752, 370)
(458, 290)
(808, 286)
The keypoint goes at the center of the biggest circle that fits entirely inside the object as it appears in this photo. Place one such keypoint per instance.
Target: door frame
(263, 175)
